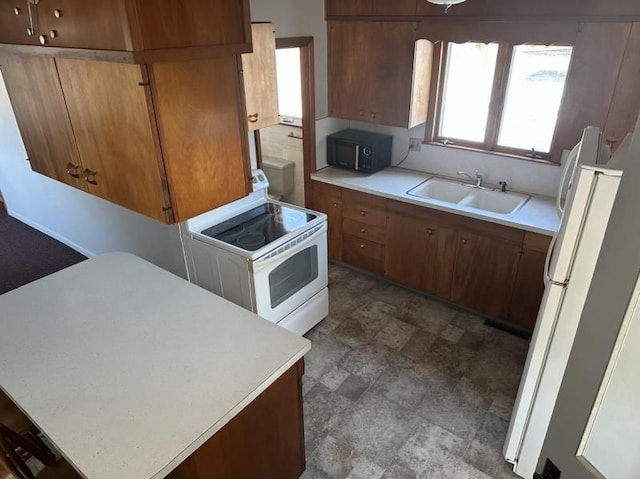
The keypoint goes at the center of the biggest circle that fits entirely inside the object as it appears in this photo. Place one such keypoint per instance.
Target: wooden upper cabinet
(378, 73)
(14, 22)
(337, 8)
(82, 24)
(132, 31)
(39, 107)
(203, 132)
(260, 78)
(115, 134)
(541, 8)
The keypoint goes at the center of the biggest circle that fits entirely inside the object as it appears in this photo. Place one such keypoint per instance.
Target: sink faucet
(477, 178)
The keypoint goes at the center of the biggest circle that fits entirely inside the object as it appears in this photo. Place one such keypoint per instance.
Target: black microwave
(357, 150)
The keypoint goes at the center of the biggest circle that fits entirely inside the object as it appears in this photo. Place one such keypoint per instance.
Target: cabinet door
(205, 142)
(528, 290)
(484, 273)
(81, 24)
(349, 70)
(327, 198)
(411, 252)
(116, 139)
(371, 71)
(14, 22)
(260, 78)
(37, 101)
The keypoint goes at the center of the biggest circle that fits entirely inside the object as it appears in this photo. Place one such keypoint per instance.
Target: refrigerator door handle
(547, 264)
(573, 156)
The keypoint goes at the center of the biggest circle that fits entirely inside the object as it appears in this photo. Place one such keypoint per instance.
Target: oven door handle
(266, 260)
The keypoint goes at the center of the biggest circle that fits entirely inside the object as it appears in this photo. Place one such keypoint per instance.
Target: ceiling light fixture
(446, 3)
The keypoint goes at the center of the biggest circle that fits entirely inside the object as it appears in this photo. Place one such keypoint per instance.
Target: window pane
(534, 93)
(467, 90)
(289, 82)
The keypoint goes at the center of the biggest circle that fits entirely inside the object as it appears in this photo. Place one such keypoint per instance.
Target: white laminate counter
(128, 369)
(537, 215)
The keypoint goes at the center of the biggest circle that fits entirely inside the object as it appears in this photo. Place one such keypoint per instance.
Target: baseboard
(53, 234)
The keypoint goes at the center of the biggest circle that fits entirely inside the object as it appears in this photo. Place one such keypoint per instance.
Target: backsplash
(521, 175)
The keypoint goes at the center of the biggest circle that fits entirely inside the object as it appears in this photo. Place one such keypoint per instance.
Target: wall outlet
(415, 144)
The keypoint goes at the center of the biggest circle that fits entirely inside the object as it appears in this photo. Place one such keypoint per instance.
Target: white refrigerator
(593, 179)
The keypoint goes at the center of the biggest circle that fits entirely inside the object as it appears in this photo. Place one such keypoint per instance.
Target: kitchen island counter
(129, 369)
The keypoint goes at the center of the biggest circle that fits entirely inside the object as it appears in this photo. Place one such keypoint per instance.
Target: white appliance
(266, 256)
(571, 261)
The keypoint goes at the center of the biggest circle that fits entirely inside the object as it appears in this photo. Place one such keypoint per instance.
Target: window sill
(494, 153)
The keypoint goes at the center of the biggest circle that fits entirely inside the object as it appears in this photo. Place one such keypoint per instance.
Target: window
(500, 97)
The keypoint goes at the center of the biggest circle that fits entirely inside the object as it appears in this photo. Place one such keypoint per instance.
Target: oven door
(297, 272)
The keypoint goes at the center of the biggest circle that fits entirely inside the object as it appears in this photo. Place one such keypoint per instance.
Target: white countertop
(128, 369)
(537, 215)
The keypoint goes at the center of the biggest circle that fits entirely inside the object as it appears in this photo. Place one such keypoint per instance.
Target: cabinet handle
(373, 115)
(464, 241)
(30, 31)
(362, 245)
(43, 40)
(363, 213)
(430, 232)
(57, 13)
(335, 205)
(89, 176)
(362, 230)
(72, 170)
(361, 113)
(253, 118)
(53, 33)
(17, 11)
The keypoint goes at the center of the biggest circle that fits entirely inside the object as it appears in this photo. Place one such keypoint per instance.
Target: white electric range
(266, 256)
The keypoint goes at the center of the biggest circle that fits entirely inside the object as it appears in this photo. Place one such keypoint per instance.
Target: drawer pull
(362, 230)
(335, 205)
(362, 245)
(57, 13)
(430, 232)
(464, 241)
(363, 213)
(16, 11)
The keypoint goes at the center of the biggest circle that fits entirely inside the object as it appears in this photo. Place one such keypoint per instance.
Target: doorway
(293, 138)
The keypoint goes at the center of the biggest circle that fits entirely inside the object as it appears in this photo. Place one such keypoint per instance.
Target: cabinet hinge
(167, 208)
(144, 83)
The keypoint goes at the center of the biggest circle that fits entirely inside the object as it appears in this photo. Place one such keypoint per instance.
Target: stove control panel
(259, 180)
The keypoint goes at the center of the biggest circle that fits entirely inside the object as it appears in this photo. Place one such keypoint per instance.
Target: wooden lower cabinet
(265, 440)
(484, 273)
(328, 199)
(492, 269)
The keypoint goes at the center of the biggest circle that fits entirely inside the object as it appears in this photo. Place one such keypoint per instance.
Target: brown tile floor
(400, 386)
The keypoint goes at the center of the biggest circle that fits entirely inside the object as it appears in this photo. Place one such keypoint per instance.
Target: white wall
(521, 175)
(84, 222)
(300, 18)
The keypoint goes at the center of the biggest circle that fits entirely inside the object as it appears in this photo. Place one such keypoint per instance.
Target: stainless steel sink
(469, 197)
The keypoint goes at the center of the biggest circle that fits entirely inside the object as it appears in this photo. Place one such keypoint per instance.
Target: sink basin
(494, 201)
(441, 190)
(454, 192)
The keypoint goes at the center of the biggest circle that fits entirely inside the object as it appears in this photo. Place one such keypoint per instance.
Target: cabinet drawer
(364, 208)
(363, 254)
(377, 234)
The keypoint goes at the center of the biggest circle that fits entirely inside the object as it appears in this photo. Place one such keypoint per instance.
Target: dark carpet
(27, 255)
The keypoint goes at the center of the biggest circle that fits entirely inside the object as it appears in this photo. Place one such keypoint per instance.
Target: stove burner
(251, 241)
(290, 220)
(231, 234)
